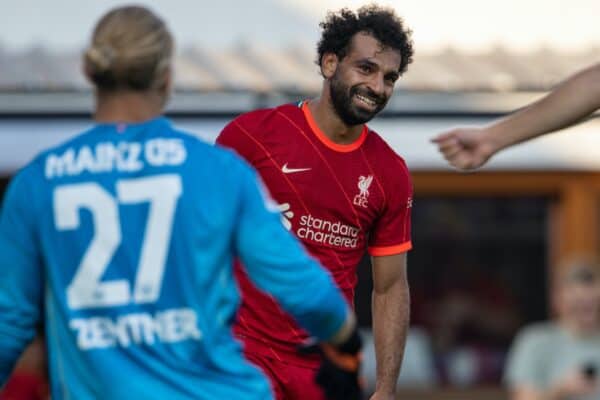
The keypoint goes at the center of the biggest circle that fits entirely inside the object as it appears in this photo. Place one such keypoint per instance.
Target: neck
(330, 123)
(581, 331)
(127, 106)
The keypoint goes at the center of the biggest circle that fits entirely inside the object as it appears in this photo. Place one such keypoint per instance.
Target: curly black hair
(382, 23)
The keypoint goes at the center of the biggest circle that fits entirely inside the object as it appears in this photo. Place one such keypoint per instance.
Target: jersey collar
(342, 148)
(128, 127)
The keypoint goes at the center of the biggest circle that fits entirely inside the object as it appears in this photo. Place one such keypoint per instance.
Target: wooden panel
(499, 183)
(579, 230)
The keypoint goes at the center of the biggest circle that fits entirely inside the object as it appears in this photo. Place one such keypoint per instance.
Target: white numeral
(162, 192)
(86, 289)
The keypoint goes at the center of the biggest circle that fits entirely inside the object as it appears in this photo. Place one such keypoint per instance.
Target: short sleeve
(525, 363)
(391, 233)
(235, 137)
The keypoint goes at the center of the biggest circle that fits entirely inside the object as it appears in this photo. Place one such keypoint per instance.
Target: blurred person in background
(570, 102)
(472, 320)
(560, 360)
(342, 191)
(122, 240)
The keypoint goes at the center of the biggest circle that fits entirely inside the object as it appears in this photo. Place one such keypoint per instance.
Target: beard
(351, 114)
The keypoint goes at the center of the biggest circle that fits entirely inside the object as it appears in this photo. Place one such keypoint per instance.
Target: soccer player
(122, 239)
(577, 97)
(342, 190)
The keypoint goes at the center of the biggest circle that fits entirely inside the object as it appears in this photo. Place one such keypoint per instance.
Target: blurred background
(486, 244)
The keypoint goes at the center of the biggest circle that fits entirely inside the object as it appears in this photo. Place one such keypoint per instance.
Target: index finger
(444, 136)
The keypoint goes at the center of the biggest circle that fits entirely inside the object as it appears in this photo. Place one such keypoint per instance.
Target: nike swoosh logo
(287, 170)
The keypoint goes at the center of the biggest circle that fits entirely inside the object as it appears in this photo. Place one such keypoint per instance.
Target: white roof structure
(44, 99)
(253, 66)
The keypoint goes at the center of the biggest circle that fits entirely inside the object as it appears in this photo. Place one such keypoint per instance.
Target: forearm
(568, 103)
(391, 310)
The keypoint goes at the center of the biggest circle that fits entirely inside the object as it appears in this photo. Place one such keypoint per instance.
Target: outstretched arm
(575, 98)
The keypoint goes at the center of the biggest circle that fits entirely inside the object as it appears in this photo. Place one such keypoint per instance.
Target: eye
(391, 79)
(365, 68)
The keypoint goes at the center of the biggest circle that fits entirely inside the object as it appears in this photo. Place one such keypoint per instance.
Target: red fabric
(25, 386)
(288, 381)
(342, 200)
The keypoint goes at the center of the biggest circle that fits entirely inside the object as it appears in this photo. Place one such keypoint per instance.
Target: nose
(377, 84)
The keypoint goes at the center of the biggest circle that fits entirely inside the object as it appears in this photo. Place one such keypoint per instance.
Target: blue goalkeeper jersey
(121, 242)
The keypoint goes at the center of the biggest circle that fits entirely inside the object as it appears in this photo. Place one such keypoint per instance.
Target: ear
(329, 64)
(165, 81)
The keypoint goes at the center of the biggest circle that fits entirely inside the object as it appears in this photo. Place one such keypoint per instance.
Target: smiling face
(581, 305)
(577, 300)
(361, 83)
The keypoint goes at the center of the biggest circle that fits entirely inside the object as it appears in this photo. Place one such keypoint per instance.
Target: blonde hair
(131, 48)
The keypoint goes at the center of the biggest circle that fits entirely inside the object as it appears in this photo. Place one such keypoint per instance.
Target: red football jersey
(339, 200)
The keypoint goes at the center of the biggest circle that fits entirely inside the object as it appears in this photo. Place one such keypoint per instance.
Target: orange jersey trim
(343, 148)
(390, 250)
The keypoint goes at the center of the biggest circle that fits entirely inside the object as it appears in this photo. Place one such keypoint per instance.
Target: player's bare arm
(391, 308)
(574, 99)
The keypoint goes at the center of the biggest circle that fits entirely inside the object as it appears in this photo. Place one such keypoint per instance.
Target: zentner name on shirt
(167, 326)
(106, 157)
